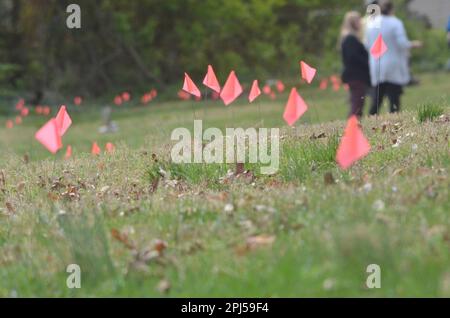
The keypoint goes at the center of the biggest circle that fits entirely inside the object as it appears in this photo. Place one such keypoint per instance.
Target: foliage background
(136, 44)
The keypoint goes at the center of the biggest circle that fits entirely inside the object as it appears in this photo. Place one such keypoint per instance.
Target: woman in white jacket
(390, 72)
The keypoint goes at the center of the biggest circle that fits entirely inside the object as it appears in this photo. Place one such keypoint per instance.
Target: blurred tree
(137, 44)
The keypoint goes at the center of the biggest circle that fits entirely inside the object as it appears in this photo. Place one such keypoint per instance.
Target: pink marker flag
(118, 100)
(353, 146)
(46, 110)
(190, 87)
(109, 147)
(68, 152)
(24, 112)
(20, 104)
(49, 136)
(9, 124)
(308, 72)
(295, 108)
(77, 100)
(280, 86)
(126, 96)
(267, 90)
(254, 92)
(323, 84)
(379, 48)
(231, 90)
(63, 120)
(211, 81)
(95, 150)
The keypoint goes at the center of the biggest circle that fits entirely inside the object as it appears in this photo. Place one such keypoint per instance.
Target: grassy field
(139, 225)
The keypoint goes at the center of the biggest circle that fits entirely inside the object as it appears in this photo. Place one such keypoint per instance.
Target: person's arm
(448, 30)
(402, 38)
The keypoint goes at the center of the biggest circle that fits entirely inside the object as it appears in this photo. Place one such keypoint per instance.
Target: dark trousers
(357, 97)
(392, 91)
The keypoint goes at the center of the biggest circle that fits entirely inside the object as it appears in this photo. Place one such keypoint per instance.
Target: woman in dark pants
(356, 62)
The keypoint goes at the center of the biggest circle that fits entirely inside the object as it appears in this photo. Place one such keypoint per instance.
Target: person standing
(448, 42)
(448, 32)
(390, 73)
(355, 59)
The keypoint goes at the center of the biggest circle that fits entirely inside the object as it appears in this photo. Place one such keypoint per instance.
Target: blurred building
(435, 12)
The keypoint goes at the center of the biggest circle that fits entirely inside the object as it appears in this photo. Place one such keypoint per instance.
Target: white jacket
(393, 66)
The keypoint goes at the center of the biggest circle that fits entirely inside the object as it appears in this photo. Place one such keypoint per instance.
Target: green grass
(429, 112)
(314, 237)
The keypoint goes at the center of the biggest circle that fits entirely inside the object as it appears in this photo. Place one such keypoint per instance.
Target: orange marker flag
(95, 150)
(295, 108)
(18, 120)
(49, 136)
(190, 87)
(109, 147)
(63, 120)
(231, 90)
(280, 87)
(323, 84)
(379, 48)
(308, 72)
(211, 81)
(353, 146)
(68, 152)
(9, 124)
(254, 92)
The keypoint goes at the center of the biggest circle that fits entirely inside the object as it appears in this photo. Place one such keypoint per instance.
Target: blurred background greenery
(137, 44)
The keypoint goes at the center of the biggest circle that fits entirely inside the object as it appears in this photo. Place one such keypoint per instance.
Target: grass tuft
(428, 112)
(301, 159)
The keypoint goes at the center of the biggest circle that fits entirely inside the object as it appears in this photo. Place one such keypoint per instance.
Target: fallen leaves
(328, 178)
(2, 179)
(264, 208)
(255, 242)
(378, 205)
(122, 238)
(245, 176)
(319, 136)
(163, 286)
(141, 256)
(10, 207)
(228, 208)
(20, 186)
